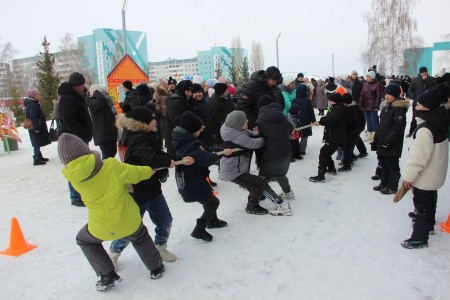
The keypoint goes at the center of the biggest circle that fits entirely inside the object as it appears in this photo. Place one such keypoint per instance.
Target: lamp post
(332, 62)
(124, 28)
(277, 49)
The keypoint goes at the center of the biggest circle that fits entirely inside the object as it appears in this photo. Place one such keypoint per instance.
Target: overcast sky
(309, 29)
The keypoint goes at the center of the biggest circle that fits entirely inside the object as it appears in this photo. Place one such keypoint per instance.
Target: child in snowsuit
(425, 169)
(388, 139)
(112, 211)
(191, 180)
(353, 131)
(276, 154)
(235, 167)
(140, 137)
(294, 118)
(333, 136)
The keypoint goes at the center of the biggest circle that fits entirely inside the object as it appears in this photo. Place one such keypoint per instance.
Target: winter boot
(37, 161)
(158, 272)
(165, 254)
(345, 168)
(287, 196)
(320, 177)
(388, 191)
(378, 187)
(281, 209)
(108, 281)
(216, 223)
(41, 158)
(200, 231)
(256, 210)
(414, 244)
(115, 259)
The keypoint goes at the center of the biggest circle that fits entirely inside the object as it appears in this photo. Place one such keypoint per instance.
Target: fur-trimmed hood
(131, 125)
(162, 91)
(401, 104)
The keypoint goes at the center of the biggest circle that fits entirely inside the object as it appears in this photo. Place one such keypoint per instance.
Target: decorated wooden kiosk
(126, 69)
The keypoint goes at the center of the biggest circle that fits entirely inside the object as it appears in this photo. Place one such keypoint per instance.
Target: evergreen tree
(218, 69)
(245, 76)
(48, 79)
(16, 106)
(233, 71)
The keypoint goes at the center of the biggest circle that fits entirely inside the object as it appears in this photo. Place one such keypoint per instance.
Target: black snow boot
(41, 158)
(320, 177)
(200, 231)
(108, 281)
(216, 223)
(37, 161)
(345, 168)
(254, 208)
(158, 272)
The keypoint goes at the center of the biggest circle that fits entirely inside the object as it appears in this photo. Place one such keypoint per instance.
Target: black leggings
(210, 206)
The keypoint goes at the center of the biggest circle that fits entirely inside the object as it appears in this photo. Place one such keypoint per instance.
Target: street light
(277, 50)
(124, 28)
(332, 62)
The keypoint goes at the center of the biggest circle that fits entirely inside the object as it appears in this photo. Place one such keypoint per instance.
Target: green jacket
(113, 213)
(288, 97)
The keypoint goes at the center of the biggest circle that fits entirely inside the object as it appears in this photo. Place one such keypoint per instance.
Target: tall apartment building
(434, 58)
(176, 68)
(5, 71)
(210, 60)
(103, 49)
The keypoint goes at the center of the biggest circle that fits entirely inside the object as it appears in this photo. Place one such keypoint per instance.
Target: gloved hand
(373, 146)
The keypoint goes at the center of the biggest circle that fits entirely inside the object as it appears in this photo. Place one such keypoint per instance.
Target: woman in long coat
(39, 132)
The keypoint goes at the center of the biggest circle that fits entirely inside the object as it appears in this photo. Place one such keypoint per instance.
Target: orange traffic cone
(446, 226)
(17, 243)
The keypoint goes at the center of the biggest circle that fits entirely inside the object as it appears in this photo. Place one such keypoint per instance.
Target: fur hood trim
(401, 103)
(131, 124)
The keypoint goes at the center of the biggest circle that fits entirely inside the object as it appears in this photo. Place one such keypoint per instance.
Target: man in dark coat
(203, 110)
(261, 83)
(221, 106)
(74, 117)
(388, 139)
(103, 120)
(419, 85)
(180, 102)
(333, 135)
(131, 96)
(352, 129)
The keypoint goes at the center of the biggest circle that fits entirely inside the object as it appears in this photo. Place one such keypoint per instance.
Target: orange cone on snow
(17, 243)
(446, 226)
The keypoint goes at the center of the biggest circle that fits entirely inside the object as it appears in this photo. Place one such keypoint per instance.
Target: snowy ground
(343, 241)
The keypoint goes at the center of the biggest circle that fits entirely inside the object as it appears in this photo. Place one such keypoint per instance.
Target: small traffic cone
(445, 227)
(17, 243)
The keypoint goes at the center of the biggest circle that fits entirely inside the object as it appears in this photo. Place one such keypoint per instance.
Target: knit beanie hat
(236, 119)
(198, 79)
(264, 100)
(210, 83)
(393, 90)
(162, 81)
(288, 80)
(171, 81)
(273, 73)
(300, 75)
(71, 147)
(336, 98)
(431, 98)
(190, 122)
(423, 70)
(347, 98)
(76, 79)
(128, 85)
(138, 113)
(295, 109)
(301, 91)
(32, 94)
(371, 74)
(354, 72)
(223, 79)
(220, 88)
(231, 89)
(97, 87)
(197, 88)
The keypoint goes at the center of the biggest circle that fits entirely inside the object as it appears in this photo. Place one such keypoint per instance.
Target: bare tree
(7, 52)
(391, 30)
(69, 56)
(257, 57)
(237, 57)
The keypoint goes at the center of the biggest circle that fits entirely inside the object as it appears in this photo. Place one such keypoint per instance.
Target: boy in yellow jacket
(113, 213)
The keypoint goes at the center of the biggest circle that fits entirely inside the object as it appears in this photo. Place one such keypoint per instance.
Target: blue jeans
(74, 195)
(372, 120)
(159, 214)
(36, 151)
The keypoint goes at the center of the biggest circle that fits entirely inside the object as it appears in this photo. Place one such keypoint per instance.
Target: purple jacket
(370, 97)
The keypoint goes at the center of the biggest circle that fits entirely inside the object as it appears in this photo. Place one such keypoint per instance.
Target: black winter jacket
(74, 113)
(220, 108)
(103, 119)
(353, 126)
(307, 115)
(203, 110)
(273, 125)
(191, 180)
(335, 123)
(38, 136)
(391, 130)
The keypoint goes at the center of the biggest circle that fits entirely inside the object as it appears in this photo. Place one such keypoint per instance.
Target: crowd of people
(195, 123)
